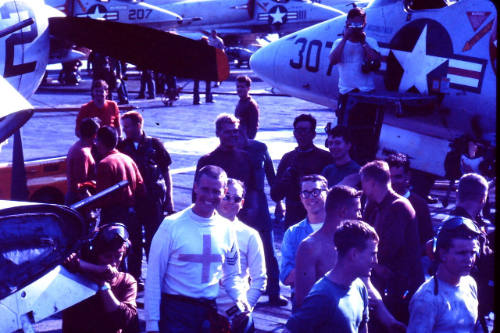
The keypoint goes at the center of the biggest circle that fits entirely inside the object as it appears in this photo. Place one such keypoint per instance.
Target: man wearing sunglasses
(314, 190)
(259, 217)
(448, 301)
(252, 259)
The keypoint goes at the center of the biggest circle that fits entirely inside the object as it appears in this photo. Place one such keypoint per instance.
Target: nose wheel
(170, 96)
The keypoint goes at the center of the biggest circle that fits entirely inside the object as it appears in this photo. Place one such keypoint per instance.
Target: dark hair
(315, 178)
(340, 131)
(211, 171)
(306, 117)
(244, 79)
(353, 234)
(107, 136)
(471, 187)
(340, 196)
(377, 170)
(233, 181)
(99, 84)
(88, 128)
(356, 12)
(134, 116)
(398, 160)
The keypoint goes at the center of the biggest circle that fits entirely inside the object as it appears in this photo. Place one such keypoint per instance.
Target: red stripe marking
(464, 72)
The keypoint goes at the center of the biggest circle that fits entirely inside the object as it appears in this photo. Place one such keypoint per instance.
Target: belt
(202, 301)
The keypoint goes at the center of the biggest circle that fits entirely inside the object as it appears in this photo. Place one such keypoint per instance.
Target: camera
(370, 66)
(355, 26)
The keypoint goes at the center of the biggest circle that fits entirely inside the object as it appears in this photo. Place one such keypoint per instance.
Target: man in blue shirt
(313, 195)
(339, 300)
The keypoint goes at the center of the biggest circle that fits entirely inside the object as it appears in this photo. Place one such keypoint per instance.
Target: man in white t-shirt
(355, 55)
(252, 261)
(193, 252)
(448, 302)
(215, 41)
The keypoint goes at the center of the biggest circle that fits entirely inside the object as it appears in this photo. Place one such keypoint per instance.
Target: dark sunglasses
(315, 193)
(235, 198)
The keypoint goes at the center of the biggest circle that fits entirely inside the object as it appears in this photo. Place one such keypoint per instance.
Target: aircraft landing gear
(170, 96)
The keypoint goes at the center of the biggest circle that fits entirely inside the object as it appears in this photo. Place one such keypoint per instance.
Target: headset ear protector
(109, 237)
(450, 224)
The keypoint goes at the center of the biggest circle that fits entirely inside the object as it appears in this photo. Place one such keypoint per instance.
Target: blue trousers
(178, 316)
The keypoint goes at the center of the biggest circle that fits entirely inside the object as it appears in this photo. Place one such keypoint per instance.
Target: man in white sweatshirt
(252, 260)
(191, 253)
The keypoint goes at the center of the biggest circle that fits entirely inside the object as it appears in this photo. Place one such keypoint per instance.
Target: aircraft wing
(51, 293)
(34, 238)
(145, 47)
(15, 110)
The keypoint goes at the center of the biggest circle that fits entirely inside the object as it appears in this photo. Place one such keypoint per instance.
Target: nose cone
(262, 61)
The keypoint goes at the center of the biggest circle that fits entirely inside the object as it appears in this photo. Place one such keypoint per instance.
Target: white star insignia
(277, 16)
(417, 64)
(97, 15)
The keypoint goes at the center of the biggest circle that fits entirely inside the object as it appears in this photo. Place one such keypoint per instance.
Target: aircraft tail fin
(145, 47)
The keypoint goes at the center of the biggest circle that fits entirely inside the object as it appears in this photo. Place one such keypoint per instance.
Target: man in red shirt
(99, 107)
(80, 164)
(119, 206)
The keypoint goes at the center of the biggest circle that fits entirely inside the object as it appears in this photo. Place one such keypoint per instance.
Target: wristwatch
(105, 287)
(234, 311)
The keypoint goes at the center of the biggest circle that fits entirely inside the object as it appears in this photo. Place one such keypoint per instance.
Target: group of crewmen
(355, 260)
(152, 84)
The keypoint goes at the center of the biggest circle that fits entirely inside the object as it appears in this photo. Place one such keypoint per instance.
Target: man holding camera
(356, 56)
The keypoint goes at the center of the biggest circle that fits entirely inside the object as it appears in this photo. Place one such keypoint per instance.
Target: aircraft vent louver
(251, 8)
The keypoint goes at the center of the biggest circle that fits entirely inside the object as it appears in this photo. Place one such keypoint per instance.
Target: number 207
(139, 14)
